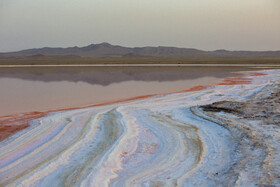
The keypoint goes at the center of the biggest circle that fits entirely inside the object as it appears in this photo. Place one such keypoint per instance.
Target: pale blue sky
(202, 24)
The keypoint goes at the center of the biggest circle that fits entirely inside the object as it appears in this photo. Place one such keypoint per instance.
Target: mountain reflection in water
(108, 75)
(48, 88)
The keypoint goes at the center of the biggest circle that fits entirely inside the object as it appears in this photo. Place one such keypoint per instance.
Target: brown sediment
(14, 123)
(240, 80)
(102, 104)
(192, 89)
(257, 74)
(11, 124)
(223, 106)
(235, 81)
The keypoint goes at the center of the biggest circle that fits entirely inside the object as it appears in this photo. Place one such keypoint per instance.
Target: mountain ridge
(108, 50)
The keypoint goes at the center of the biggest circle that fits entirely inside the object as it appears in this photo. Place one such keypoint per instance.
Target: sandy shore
(217, 135)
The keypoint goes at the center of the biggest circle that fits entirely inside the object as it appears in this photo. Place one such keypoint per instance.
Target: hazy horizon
(206, 24)
(130, 47)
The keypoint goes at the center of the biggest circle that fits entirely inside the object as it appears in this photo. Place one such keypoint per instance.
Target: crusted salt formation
(164, 140)
(256, 124)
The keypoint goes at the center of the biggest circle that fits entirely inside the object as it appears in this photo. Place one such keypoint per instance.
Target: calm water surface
(47, 88)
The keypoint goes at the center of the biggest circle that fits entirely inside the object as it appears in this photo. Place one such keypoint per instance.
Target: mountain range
(108, 50)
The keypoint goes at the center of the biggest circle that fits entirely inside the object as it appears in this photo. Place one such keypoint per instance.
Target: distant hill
(108, 50)
(105, 53)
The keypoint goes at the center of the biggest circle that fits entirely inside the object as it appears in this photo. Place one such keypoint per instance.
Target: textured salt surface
(156, 141)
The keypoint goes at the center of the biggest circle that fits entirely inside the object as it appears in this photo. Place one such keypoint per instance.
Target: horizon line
(117, 45)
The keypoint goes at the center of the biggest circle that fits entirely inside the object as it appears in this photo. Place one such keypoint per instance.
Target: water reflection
(108, 75)
(48, 88)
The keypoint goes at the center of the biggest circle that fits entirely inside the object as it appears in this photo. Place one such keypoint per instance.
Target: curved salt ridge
(157, 141)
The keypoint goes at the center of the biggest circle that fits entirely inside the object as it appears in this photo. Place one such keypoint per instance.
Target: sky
(201, 24)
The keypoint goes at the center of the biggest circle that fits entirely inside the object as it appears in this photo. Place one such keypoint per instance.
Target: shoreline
(143, 65)
(256, 124)
(137, 141)
(13, 123)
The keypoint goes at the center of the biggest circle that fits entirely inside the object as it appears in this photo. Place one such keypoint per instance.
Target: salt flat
(164, 140)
